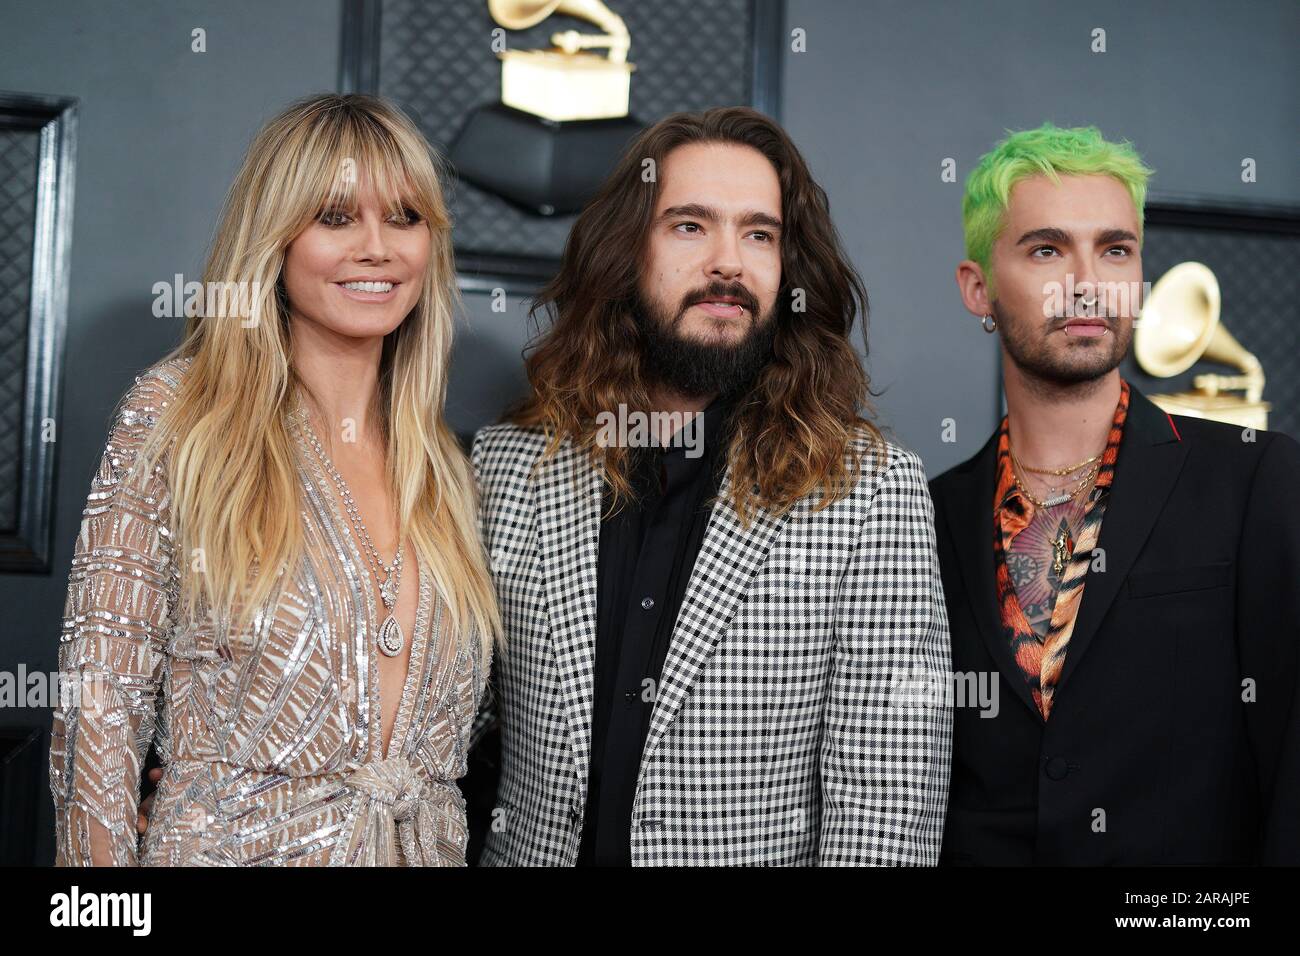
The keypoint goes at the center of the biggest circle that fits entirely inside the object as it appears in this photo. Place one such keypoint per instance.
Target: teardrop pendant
(391, 639)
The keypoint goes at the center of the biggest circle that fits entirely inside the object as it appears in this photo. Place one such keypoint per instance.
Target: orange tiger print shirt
(1041, 658)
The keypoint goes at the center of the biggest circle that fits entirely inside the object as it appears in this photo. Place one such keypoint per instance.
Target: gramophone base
(562, 87)
(546, 167)
(1230, 409)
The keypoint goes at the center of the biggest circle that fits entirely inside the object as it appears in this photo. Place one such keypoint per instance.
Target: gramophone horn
(521, 14)
(1180, 326)
(1179, 320)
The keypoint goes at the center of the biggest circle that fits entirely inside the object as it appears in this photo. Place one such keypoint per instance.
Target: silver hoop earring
(989, 324)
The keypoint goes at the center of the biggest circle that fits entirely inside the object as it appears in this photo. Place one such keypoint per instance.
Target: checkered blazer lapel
(568, 490)
(569, 495)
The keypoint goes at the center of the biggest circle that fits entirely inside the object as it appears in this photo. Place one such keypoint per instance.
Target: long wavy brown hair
(794, 430)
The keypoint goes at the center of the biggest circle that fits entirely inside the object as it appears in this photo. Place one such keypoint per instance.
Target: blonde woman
(278, 578)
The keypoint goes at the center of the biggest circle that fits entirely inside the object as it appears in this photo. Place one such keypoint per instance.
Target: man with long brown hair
(715, 573)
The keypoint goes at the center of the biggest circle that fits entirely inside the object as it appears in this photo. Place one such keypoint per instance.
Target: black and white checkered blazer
(778, 735)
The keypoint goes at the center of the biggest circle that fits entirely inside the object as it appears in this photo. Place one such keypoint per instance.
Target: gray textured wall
(885, 91)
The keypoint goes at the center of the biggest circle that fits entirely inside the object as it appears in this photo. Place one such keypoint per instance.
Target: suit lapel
(1150, 459)
(968, 510)
(568, 491)
(729, 557)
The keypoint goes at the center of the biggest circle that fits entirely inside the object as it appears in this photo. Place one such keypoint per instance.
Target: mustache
(720, 289)
(1081, 308)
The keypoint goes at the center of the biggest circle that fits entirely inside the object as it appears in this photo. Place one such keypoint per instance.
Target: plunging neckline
(419, 639)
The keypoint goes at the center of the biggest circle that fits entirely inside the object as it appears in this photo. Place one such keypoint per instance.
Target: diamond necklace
(390, 639)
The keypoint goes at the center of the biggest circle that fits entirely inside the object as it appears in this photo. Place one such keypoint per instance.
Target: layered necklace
(388, 576)
(1057, 495)
(1062, 545)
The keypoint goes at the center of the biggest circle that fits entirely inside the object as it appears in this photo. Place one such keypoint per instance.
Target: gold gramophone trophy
(1178, 327)
(562, 121)
(566, 83)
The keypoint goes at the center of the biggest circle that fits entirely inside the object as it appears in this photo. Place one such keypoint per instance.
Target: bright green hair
(1050, 151)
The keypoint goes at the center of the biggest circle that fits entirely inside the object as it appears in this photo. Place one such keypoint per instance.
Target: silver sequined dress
(271, 742)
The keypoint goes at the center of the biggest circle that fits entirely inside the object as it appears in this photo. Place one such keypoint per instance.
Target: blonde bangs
(232, 464)
(359, 152)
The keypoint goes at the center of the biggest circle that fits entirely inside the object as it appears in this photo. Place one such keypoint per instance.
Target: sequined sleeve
(115, 626)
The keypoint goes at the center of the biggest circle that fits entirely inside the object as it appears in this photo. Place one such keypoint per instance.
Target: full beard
(697, 369)
(1084, 361)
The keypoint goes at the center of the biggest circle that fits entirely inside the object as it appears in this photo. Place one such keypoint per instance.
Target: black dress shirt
(647, 553)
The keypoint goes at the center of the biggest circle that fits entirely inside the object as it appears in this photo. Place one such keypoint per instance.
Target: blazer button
(1057, 768)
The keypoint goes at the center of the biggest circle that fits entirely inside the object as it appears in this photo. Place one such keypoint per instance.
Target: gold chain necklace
(1059, 472)
(1062, 547)
(1057, 499)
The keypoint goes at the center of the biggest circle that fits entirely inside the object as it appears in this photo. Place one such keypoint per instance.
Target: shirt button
(647, 603)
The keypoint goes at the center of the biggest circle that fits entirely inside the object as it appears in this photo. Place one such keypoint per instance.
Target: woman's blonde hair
(234, 486)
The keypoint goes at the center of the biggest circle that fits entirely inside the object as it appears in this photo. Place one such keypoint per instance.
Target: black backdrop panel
(19, 151)
(436, 62)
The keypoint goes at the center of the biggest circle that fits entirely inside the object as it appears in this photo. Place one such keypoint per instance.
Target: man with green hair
(1131, 579)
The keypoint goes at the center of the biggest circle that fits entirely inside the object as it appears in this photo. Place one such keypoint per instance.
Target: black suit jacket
(1151, 755)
